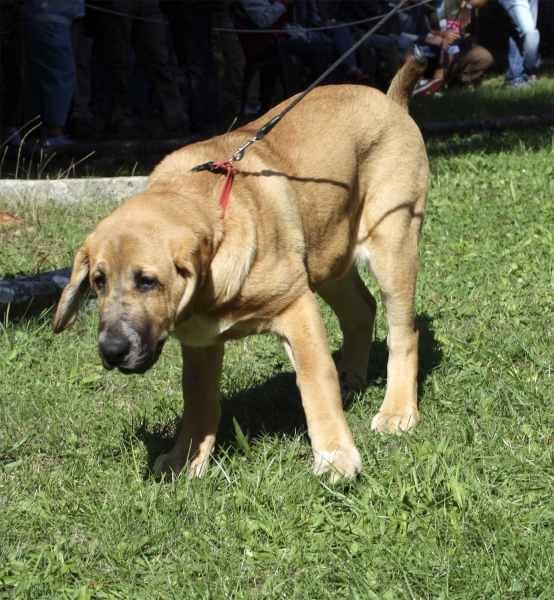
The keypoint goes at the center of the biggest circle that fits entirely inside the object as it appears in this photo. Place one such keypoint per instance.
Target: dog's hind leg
(300, 328)
(391, 243)
(201, 376)
(355, 308)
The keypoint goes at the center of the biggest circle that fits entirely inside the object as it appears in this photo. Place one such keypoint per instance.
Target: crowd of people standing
(177, 65)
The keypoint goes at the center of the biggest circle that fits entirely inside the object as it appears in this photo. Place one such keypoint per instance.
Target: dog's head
(146, 271)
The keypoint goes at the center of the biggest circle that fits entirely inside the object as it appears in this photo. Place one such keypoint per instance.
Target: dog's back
(326, 162)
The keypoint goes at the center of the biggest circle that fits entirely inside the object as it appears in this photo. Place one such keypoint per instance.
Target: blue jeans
(49, 71)
(523, 57)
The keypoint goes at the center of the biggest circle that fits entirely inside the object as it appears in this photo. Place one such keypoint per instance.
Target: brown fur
(343, 178)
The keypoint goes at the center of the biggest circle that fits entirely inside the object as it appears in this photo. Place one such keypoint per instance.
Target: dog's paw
(168, 466)
(198, 467)
(397, 424)
(338, 465)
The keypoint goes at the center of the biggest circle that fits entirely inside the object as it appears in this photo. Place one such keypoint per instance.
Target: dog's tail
(404, 81)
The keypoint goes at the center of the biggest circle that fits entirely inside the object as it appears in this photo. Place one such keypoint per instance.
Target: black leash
(228, 165)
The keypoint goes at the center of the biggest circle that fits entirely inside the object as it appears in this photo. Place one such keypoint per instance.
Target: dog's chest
(201, 331)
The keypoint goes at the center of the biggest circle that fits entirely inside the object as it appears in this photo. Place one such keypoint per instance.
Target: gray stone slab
(70, 191)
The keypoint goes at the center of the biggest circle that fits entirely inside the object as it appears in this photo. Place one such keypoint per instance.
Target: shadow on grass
(490, 142)
(274, 407)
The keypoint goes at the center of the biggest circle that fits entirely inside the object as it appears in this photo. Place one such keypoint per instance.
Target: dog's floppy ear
(74, 291)
(193, 267)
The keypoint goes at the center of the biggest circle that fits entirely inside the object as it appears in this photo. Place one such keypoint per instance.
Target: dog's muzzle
(119, 352)
(114, 351)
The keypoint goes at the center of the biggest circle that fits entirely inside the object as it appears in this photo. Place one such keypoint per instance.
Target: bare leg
(355, 308)
(202, 411)
(301, 330)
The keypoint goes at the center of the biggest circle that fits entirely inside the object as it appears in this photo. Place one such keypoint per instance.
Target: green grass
(492, 100)
(462, 509)
(42, 239)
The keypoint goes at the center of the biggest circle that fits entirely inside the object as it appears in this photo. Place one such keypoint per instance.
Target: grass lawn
(492, 99)
(461, 509)
(45, 237)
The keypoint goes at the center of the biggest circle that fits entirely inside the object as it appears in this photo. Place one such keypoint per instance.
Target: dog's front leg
(302, 332)
(202, 411)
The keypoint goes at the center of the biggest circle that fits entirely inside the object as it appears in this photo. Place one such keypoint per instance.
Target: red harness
(226, 191)
(224, 198)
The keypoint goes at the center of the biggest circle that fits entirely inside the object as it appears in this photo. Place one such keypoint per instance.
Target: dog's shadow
(274, 407)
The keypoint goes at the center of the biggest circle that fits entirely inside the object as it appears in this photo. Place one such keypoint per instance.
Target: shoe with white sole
(426, 87)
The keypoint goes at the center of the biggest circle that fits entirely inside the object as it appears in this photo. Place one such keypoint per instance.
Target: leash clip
(240, 151)
(209, 166)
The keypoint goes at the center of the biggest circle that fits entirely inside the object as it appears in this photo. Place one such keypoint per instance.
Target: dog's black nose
(114, 350)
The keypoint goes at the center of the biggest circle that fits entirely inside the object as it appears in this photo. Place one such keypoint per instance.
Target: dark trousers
(193, 40)
(11, 55)
(82, 49)
(49, 71)
(117, 34)
(315, 55)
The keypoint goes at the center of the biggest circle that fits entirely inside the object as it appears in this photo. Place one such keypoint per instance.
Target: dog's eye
(100, 282)
(147, 284)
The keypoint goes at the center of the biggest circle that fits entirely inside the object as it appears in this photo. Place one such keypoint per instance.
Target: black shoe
(86, 127)
(123, 127)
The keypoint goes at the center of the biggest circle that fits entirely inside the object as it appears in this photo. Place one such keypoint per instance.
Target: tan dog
(343, 178)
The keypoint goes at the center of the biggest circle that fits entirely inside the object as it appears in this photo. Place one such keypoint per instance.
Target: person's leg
(82, 48)
(534, 5)
(11, 112)
(33, 93)
(405, 43)
(387, 49)
(197, 58)
(49, 48)
(523, 63)
(470, 67)
(515, 72)
(150, 44)
(267, 78)
(233, 65)
(312, 54)
(115, 38)
(342, 42)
